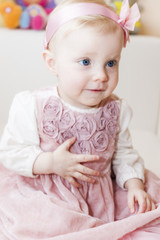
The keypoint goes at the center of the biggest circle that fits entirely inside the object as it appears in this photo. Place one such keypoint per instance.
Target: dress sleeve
(126, 163)
(19, 145)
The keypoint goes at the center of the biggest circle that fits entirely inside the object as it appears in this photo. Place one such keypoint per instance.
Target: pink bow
(129, 16)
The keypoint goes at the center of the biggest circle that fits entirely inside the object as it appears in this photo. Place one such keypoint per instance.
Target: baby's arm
(19, 145)
(128, 165)
(66, 164)
(126, 162)
(137, 194)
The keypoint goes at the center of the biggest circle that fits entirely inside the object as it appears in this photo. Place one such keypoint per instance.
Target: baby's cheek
(79, 85)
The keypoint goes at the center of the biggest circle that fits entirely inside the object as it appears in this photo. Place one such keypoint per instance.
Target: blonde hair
(102, 23)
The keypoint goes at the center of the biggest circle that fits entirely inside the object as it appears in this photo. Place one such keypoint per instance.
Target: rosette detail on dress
(94, 131)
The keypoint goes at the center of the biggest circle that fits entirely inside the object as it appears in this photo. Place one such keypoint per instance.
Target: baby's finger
(153, 206)
(68, 143)
(142, 205)
(131, 204)
(86, 158)
(148, 205)
(82, 177)
(85, 170)
(72, 181)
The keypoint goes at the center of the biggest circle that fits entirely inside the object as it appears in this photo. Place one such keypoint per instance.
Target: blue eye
(85, 62)
(111, 63)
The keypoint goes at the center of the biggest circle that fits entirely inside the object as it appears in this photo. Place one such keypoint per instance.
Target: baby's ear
(49, 60)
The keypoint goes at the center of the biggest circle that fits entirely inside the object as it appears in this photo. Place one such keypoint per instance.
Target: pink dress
(48, 207)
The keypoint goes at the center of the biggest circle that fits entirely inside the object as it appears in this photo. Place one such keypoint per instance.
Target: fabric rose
(50, 128)
(111, 110)
(65, 135)
(82, 147)
(101, 124)
(100, 141)
(67, 120)
(112, 127)
(85, 127)
(53, 109)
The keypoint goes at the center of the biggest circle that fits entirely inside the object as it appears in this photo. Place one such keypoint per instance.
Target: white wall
(21, 66)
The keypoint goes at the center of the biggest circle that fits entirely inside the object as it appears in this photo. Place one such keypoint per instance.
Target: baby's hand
(138, 195)
(68, 165)
(143, 199)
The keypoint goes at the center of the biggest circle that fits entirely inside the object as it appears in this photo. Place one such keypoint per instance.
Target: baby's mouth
(95, 90)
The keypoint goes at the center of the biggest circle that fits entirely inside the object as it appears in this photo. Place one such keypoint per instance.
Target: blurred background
(33, 14)
(150, 17)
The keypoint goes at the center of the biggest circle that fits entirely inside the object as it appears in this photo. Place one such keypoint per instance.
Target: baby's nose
(100, 75)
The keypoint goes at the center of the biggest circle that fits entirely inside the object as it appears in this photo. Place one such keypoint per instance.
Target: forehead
(89, 39)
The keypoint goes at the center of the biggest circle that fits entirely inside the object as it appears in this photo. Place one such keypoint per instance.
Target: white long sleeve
(126, 163)
(19, 144)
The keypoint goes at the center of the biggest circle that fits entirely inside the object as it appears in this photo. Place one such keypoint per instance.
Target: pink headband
(127, 19)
